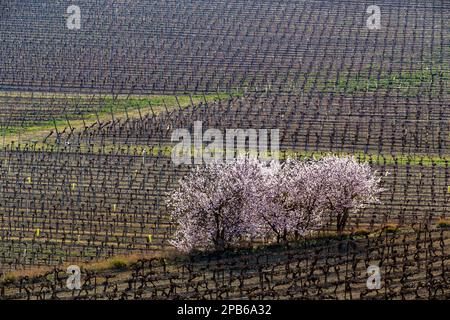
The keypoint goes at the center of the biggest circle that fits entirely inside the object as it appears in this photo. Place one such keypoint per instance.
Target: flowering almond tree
(292, 200)
(348, 187)
(212, 204)
(218, 205)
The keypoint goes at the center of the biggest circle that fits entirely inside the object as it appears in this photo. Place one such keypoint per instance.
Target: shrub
(118, 264)
(361, 232)
(390, 228)
(443, 224)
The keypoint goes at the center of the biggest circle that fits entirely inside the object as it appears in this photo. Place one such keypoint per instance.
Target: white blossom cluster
(221, 204)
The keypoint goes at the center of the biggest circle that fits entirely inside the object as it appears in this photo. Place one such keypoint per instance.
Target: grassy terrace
(408, 84)
(119, 107)
(166, 151)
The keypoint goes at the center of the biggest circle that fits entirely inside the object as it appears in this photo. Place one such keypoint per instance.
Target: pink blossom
(219, 204)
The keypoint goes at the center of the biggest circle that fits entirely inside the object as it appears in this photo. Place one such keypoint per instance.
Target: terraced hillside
(87, 118)
(414, 266)
(171, 46)
(107, 196)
